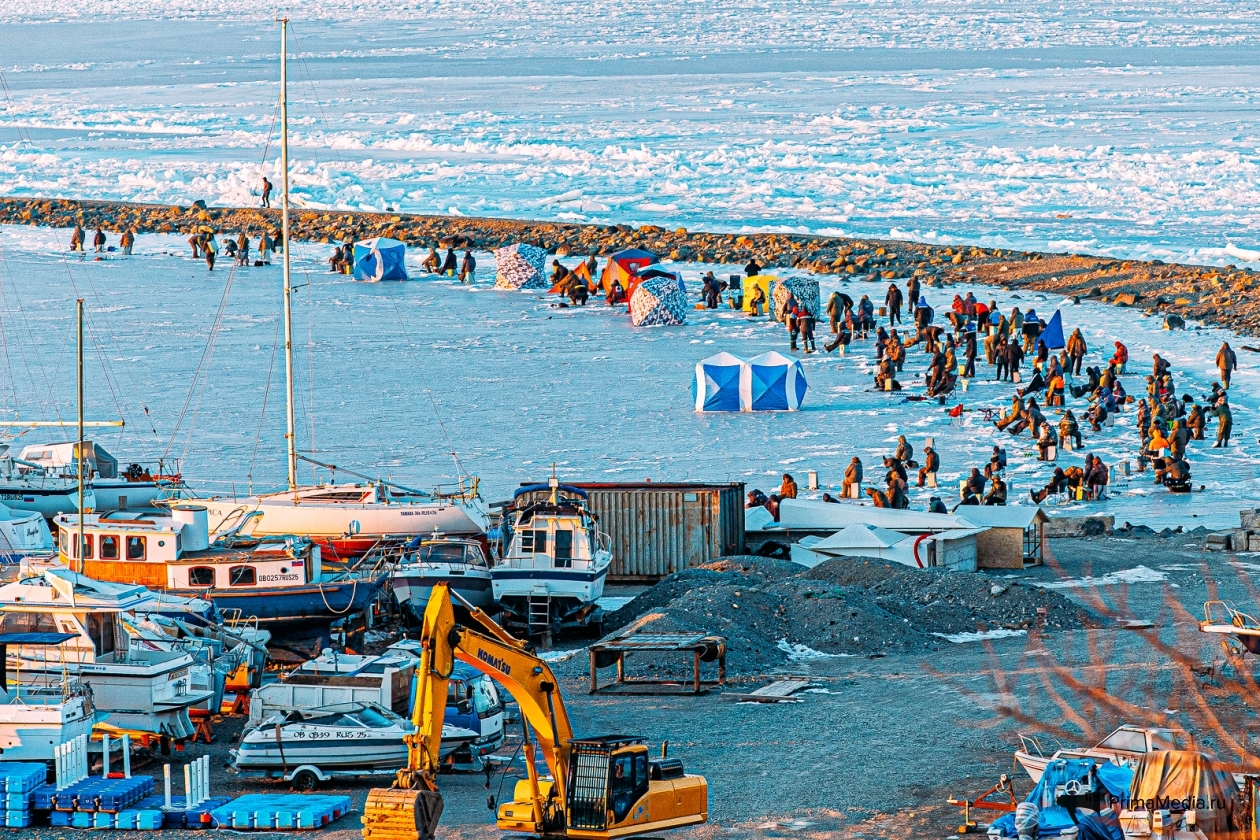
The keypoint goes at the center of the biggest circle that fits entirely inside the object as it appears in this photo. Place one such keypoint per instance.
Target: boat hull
(47, 497)
(31, 729)
(412, 588)
(331, 749)
(120, 494)
(294, 606)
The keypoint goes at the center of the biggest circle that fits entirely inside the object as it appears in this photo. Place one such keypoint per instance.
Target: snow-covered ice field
(392, 377)
(1124, 128)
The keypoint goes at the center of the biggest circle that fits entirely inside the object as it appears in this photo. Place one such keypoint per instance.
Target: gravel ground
(875, 750)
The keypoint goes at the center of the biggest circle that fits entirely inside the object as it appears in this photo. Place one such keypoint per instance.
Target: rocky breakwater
(1180, 293)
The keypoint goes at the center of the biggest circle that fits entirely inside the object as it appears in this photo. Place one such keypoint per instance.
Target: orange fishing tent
(623, 266)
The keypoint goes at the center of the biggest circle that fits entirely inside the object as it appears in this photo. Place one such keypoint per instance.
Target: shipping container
(658, 529)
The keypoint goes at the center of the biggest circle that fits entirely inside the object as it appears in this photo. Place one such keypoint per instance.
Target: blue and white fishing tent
(717, 383)
(380, 259)
(772, 382)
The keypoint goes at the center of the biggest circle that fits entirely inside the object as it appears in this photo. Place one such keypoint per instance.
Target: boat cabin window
(1169, 741)
(101, 631)
(337, 496)
(242, 576)
(1127, 740)
(109, 547)
(564, 549)
(88, 541)
(27, 622)
(201, 576)
(533, 542)
(135, 548)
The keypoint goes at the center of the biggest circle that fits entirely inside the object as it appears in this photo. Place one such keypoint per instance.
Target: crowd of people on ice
(1016, 350)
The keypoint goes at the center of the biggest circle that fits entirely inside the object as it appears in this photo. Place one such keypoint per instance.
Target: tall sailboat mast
(290, 435)
(79, 447)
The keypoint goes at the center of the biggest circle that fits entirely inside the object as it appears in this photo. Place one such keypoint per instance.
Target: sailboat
(349, 519)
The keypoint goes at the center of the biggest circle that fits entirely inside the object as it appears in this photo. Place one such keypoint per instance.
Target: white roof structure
(804, 515)
(859, 536)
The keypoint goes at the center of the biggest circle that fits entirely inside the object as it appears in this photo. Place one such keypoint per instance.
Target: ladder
(539, 613)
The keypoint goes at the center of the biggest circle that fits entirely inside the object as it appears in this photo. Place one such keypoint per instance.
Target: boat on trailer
(356, 736)
(424, 562)
(277, 581)
(552, 572)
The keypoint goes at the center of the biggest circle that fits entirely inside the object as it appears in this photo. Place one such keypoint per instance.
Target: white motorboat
(38, 716)
(346, 520)
(23, 535)
(345, 736)
(459, 563)
(137, 486)
(145, 691)
(28, 489)
(1124, 747)
(553, 570)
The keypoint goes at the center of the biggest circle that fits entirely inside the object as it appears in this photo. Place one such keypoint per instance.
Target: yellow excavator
(602, 787)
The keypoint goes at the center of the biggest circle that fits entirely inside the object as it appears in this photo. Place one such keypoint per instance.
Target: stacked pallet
(280, 812)
(19, 781)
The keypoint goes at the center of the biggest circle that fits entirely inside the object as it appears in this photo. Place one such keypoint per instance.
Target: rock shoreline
(1211, 295)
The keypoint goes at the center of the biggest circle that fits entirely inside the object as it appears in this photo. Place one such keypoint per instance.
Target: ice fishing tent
(650, 272)
(1052, 335)
(380, 259)
(658, 301)
(772, 382)
(717, 383)
(804, 289)
(758, 281)
(623, 265)
(520, 266)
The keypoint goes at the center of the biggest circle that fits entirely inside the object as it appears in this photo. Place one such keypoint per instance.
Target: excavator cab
(616, 790)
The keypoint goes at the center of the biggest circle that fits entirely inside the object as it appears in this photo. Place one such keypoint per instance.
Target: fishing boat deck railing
(1222, 612)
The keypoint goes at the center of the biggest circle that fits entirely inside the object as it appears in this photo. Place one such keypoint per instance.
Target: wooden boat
(279, 581)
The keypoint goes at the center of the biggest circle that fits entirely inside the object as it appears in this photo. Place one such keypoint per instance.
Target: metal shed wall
(658, 529)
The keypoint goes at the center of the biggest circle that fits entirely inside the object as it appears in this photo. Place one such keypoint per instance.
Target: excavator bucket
(395, 814)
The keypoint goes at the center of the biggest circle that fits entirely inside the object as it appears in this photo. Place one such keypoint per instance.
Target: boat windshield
(374, 718)
(1169, 741)
(1125, 740)
(440, 553)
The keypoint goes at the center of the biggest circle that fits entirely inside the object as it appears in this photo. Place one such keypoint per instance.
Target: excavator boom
(623, 775)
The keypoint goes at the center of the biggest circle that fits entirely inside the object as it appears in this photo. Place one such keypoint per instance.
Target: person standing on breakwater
(98, 240)
(128, 239)
(76, 239)
(266, 192)
(468, 269)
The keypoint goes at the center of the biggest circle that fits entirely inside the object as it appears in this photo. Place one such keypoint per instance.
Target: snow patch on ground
(981, 635)
(803, 653)
(1138, 574)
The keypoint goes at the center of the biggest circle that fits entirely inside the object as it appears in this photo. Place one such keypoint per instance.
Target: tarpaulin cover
(380, 259)
(1052, 819)
(1052, 335)
(623, 265)
(804, 289)
(772, 382)
(658, 301)
(520, 266)
(717, 383)
(1188, 777)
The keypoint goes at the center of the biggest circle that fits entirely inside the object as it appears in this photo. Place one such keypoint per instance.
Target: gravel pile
(774, 612)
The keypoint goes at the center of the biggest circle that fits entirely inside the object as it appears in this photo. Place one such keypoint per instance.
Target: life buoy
(918, 540)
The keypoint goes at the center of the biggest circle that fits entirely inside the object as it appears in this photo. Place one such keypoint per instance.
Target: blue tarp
(380, 259)
(1052, 335)
(1053, 819)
